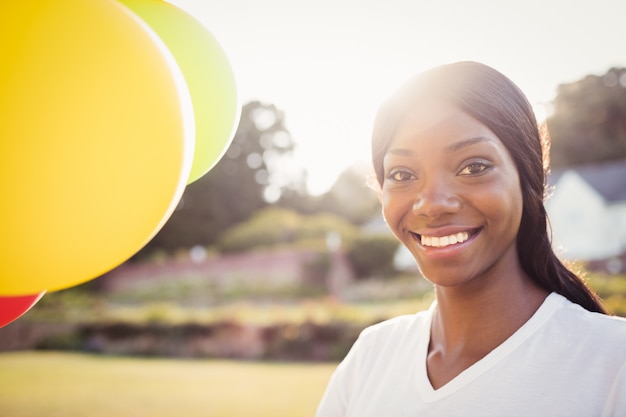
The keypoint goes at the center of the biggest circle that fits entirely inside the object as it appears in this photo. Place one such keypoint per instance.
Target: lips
(439, 240)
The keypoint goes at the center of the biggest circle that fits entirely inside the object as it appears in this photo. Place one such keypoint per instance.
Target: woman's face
(451, 194)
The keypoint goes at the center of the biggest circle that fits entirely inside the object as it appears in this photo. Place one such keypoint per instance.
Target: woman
(459, 160)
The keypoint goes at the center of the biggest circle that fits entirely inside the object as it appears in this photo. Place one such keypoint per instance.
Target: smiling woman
(459, 160)
(449, 178)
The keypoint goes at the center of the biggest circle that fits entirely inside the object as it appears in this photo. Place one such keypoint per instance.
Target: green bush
(372, 256)
(266, 228)
(316, 270)
(318, 226)
(68, 340)
(275, 226)
(612, 290)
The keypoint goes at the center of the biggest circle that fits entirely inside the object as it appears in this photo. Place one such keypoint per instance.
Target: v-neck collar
(426, 390)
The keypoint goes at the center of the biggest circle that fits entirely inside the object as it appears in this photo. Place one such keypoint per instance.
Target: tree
(350, 197)
(242, 182)
(589, 120)
(372, 255)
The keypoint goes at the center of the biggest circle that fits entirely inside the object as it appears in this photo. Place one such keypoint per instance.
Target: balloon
(208, 74)
(12, 308)
(96, 140)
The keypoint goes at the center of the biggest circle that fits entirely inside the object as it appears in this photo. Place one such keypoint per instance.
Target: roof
(607, 178)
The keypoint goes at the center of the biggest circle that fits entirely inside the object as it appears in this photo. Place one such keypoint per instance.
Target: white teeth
(443, 241)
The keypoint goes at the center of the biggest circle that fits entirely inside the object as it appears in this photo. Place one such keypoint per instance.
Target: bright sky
(329, 63)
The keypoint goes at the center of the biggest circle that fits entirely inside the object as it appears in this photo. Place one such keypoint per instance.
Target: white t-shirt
(565, 361)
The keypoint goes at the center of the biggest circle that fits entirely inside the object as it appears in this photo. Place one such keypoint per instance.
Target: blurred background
(278, 257)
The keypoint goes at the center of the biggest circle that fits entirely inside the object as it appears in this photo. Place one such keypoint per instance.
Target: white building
(587, 211)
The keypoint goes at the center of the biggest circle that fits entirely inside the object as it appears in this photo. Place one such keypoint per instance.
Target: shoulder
(574, 313)
(396, 330)
(602, 329)
(399, 323)
(390, 344)
(382, 350)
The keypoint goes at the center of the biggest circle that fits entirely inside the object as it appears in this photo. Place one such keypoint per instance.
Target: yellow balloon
(208, 74)
(96, 140)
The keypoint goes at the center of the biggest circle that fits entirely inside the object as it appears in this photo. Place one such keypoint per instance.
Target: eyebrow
(464, 143)
(400, 152)
(454, 147)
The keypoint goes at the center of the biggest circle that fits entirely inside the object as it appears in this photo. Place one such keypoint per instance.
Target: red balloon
(11, 308)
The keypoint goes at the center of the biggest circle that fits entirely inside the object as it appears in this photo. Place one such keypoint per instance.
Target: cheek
(393, 211)
(518, 200)
(518, 209)
(514, 193)
(388, 208)
(501, 203)
(513, 206)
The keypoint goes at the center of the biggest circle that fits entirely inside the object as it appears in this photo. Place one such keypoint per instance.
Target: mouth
(445, 241)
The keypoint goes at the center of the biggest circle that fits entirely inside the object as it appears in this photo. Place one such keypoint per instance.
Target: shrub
(266, 228)
(277, 226)
(316, 270)
(372, 255)
(318, 226)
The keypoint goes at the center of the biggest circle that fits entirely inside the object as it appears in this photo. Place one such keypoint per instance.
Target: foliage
(588, 123)
(318, 226)
(372, 255)
(255, 172)
(350, 198)
(266, 227)
(74, 304)
(75, 320)
(238, 184)
(366, 301)
(316, 270)
(275, 226)
(612, 291)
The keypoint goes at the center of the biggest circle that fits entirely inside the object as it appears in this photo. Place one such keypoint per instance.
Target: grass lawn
(50, 384)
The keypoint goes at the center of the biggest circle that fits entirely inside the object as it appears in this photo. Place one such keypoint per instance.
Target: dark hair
(494, 100)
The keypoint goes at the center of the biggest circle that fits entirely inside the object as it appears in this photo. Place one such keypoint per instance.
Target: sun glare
(328, 65)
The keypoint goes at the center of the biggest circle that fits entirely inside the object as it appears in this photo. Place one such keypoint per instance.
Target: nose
(435, 199)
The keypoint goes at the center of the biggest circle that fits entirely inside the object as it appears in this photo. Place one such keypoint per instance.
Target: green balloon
(208, 74)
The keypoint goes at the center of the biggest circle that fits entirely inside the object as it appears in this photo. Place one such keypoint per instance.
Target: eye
(474, 168)
(400, 175)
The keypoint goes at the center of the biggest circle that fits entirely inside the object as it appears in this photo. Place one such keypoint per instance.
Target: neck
(476, 319)
(472, 319)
